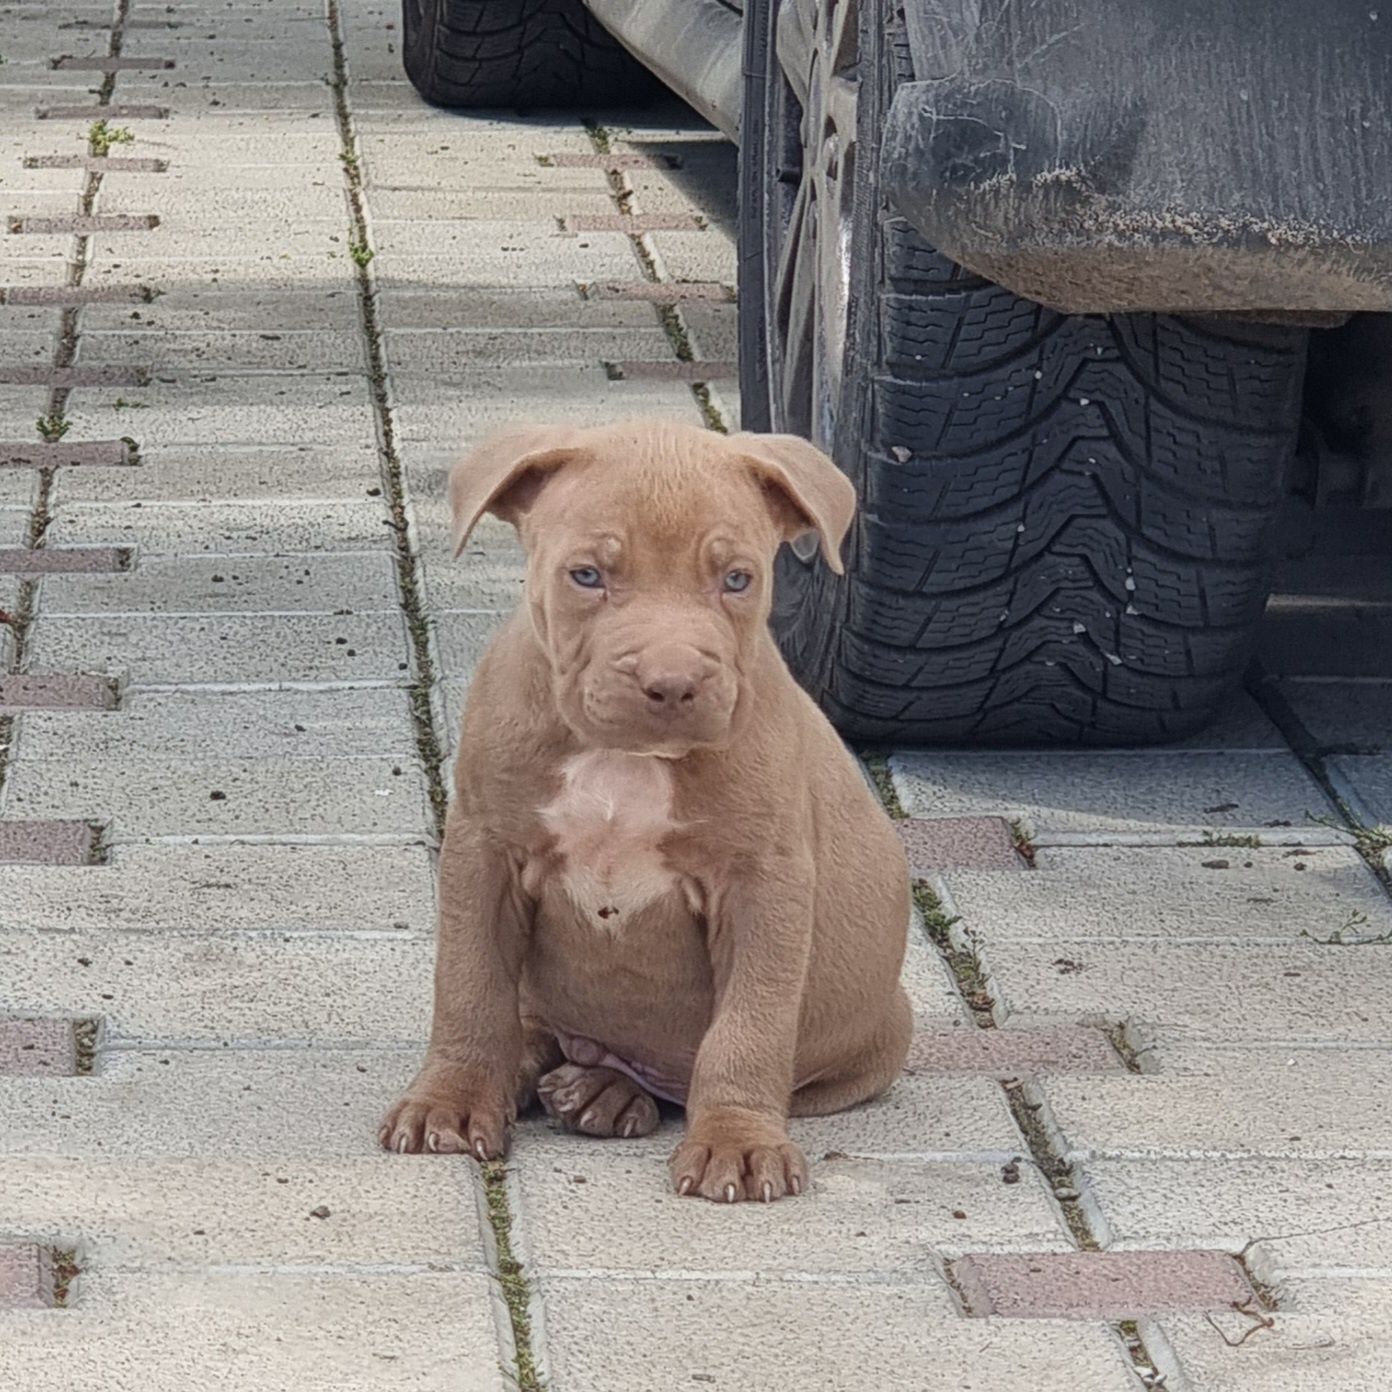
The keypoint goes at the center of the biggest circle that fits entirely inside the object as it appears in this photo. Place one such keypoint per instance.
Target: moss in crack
(959, 957)
(1126, 1050)
(101, 136)
(1129, 1332)
(52, 427)
(85, 1034)
(1024, 847)
(516, 1289)
(877, 766)
(63, 1264)
(1055, 1169)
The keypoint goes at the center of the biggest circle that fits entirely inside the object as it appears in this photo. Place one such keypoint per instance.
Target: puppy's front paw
(729, 1167)
(449, 1109)
(597, 1101)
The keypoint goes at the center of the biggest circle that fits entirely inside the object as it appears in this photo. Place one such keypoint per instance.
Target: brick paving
(1143, 1139)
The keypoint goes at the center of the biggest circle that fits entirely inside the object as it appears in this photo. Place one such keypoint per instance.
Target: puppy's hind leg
(598, 1101)
(866, 1075)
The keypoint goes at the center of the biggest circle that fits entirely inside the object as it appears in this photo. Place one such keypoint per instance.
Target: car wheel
(1065, 521)
(511, 53)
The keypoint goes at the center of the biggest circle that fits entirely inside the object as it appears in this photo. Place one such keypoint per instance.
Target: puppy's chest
(609, 822)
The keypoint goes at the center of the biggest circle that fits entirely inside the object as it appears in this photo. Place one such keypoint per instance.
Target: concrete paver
(293, 636)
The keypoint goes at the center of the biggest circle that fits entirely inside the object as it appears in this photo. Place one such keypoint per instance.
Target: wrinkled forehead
(642, 508)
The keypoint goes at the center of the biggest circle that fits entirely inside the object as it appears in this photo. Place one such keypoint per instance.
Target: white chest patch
(609, 820)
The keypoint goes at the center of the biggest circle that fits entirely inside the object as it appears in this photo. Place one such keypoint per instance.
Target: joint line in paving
(514, 1285)
(669, 315)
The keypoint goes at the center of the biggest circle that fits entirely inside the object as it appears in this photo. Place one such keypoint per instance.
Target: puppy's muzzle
(667, 690)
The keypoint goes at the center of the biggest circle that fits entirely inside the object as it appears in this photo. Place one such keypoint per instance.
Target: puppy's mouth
(610, 711)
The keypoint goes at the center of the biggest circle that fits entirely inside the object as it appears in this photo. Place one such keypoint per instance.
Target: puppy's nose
(670, 688)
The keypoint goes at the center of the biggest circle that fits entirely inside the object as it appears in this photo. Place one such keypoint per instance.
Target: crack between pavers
(54, 423)
(668, 315)
(514, 1285)
(961, 957)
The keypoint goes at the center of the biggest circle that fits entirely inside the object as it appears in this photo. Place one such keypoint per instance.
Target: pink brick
(47, 843)
(111, 65)
(103, 375)
(38, 1047)
(97, 164)
(613, 161)
(22, 454)
(65, 295)
(662, 291)
(958, 843)
(26, 1277)
(1099, 1285)
(710, 370)
(77, 223)
(623, 222)
(63, 560)
(1013, 1053)
(28, 692)
(128, 112)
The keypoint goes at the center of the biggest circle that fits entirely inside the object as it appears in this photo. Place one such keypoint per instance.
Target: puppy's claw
(684, 1188)
(586, 1118)
(432, 1142)
(481, 1149)
(402, 1140)
(794, 1186)
(630, 1126)
(768, 1191)
(729, 1193)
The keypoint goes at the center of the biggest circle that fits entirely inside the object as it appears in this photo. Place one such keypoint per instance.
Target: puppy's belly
(639, 999)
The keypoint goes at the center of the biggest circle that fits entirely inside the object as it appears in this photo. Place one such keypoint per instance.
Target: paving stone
(315, 1332)
(1343, 713)
(29, 454)
(1098, 1285)
(14, 525)
(231, 648)
(43, 1048)
(373, 723)
(220, 989)
(943, 843)
(149, 1213)
(68, 693)
(226, 527)
(265, 889)
(187, 473)
(816, 1337)
(461, 639)
(698, 256)
(219, 796)
(1366, 782)
(473, 582)
(188, 407)
(1017, 1052)
(223, 351)
(506, 309)
(26, 1277)
(1212, 893)
(18, 489)
(459, 350)
(1327, 1335)
(1300, 993)
(1157, 794)
(530, 255)
(1312, 1216)
(1308, 1103)
(32, 841)
(587, 1206)
(189, 306)
(313, 582)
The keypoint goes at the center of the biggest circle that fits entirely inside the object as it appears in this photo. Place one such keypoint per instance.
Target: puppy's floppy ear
(504, 474)
(808, 492)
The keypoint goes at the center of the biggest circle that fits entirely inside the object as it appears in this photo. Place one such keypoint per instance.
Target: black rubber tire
(1066, 522)
(516, 53)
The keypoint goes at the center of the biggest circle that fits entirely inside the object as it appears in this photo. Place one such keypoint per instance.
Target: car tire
(516, 53)
(1066, 521)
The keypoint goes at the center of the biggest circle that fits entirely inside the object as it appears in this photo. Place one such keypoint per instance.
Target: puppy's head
(650, 564)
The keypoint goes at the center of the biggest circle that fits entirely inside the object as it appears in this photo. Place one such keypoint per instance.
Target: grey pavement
(1185, 975)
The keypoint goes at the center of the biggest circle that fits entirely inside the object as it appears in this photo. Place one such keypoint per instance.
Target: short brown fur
(663, 874)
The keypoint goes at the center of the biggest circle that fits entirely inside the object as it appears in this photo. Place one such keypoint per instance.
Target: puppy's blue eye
(737, 581)
(587, 577)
